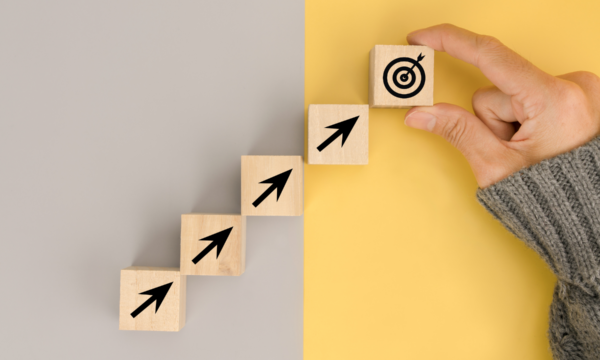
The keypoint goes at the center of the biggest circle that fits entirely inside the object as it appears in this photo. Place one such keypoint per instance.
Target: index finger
(506, 69)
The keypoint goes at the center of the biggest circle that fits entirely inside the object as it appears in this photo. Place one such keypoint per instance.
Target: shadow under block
(338, 134)
(152, 298)
(400, 76)
(272, 185)
(213, 244)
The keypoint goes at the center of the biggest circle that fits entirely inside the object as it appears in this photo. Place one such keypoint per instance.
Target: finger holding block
(152, 298)
(400, 76)
(213, 244)
(272, 186)
(338, 134)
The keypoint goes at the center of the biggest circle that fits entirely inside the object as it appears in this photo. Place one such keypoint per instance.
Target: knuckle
(455, 130)
(572, 95)
(591, 82)
(488, 43)
(580, 102)
(446, 27)
(588, 78)
(481, 99)
(477, 101)
(479, 95)
(491, 51)
(446, 31)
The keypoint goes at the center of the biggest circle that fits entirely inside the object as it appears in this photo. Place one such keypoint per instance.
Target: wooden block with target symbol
(400, 76)
(213, 244)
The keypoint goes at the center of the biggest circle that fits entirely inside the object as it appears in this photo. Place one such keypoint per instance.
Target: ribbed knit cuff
(554, 206)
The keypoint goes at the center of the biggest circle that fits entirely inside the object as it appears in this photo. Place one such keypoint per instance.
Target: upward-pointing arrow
(218, 240)
(278, 182)
(157, 294)
(344, 129)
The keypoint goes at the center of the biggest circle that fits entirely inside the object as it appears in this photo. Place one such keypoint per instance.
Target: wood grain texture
(380, 57)
(355, 150)
(256, 169)
(231, 260)
(171, 314)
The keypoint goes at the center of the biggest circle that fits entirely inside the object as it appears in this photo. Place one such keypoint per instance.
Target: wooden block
(400, 76)
(338, 134)
(272, 185)
(152, 298)
(213, 244)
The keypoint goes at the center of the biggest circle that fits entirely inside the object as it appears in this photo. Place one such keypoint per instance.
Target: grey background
(115, 118)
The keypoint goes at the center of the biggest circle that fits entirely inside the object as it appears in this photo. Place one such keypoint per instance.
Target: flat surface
(116, 117)
(401, 261)
(325, 144)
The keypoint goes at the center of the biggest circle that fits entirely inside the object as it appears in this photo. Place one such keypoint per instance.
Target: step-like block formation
(152, 298)
(400, 76)
(272, 185)
(213, 244)
(338, 134)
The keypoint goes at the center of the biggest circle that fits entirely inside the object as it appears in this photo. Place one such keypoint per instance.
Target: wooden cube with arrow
(338, 134)
(272, 185)
(152, 298)
(213, 244)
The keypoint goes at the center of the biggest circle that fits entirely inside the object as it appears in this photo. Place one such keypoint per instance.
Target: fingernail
(420, 120)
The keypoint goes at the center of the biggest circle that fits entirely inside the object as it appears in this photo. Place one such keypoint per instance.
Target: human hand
(526, 117)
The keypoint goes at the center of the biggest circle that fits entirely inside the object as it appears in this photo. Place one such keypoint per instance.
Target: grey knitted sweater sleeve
(554, 207)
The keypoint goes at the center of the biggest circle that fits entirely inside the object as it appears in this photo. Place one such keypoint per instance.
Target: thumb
(484, 151)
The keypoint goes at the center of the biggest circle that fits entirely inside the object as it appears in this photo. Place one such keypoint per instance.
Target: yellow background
(401, 262)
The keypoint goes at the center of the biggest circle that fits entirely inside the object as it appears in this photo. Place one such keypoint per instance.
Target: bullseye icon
(403, 77)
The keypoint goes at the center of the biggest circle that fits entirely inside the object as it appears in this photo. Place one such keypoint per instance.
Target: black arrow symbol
(158, 295)
(218, 240)
(278, 182)
(344, 129)
(419, 58)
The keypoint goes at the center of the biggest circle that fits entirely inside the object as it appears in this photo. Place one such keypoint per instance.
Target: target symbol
(403, 77)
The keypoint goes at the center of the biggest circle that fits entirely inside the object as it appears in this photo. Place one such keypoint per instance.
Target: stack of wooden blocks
(154, 298)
